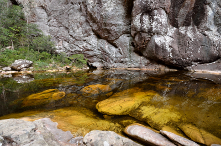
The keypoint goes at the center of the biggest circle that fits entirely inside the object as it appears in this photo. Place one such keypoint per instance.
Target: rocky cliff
(127, 33)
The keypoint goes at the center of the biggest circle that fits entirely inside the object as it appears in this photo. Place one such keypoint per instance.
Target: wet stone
(146, 135)
(178, 139)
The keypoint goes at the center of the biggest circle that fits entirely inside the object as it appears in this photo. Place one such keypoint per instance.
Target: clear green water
(182, 98)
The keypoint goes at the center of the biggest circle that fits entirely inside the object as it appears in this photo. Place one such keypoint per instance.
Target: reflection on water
(113, 99)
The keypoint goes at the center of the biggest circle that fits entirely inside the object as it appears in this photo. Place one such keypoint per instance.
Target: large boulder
(19, 132)
(177, 33)
(20, 64)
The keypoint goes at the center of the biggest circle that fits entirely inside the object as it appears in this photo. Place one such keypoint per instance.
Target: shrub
(78, 60)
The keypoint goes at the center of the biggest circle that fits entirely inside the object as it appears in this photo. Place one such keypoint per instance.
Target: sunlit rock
(178, 139)
(20, 64)
(148, 136)
(42, 98)
(20, 132)
(95, 89)
(123, 102)
(52, 127)
(199, 135)
(107, 138)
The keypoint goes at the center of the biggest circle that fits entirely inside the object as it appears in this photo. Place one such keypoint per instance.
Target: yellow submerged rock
(95, 89)
(123, 102)
(212, 94)
(157, 117)
(200, 135)
(42, 98)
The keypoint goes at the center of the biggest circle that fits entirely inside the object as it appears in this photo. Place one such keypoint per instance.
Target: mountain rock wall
(178, 33)
(132, 34)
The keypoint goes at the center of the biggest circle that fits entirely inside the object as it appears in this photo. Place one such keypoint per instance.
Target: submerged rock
(157, 117)
(178, 139)
(199, 135)
(146, 135)
(107, 138)
(135, 102)
(42, 98)
(123, 102)
(95, 89)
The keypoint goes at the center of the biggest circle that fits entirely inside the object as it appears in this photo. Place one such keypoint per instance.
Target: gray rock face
(100, 32)
(170, 32)
(20, 64)
(106, 138)
(177, 33)
(109, 19)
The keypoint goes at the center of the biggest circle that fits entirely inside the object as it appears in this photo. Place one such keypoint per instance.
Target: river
(112, 99)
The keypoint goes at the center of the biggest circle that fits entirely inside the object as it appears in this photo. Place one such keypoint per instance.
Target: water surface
(156, 99)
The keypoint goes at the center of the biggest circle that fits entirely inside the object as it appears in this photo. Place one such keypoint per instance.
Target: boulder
(20, 64)
(177, 33)
(178, 139)
(146, 135)
(52, 127)
(107, 138)
(6, 69)
(22, 132)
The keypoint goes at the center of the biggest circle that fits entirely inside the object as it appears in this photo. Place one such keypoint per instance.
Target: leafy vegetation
(28, 42)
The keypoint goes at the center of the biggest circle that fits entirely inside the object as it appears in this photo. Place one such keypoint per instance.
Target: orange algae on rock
(173, 130)
(123, 102)
(44, 97)
(95, 89)
(200, 135)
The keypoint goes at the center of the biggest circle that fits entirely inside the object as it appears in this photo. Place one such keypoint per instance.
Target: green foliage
(79, 60)
(43, 43)
(16, 32)
(28, 42)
